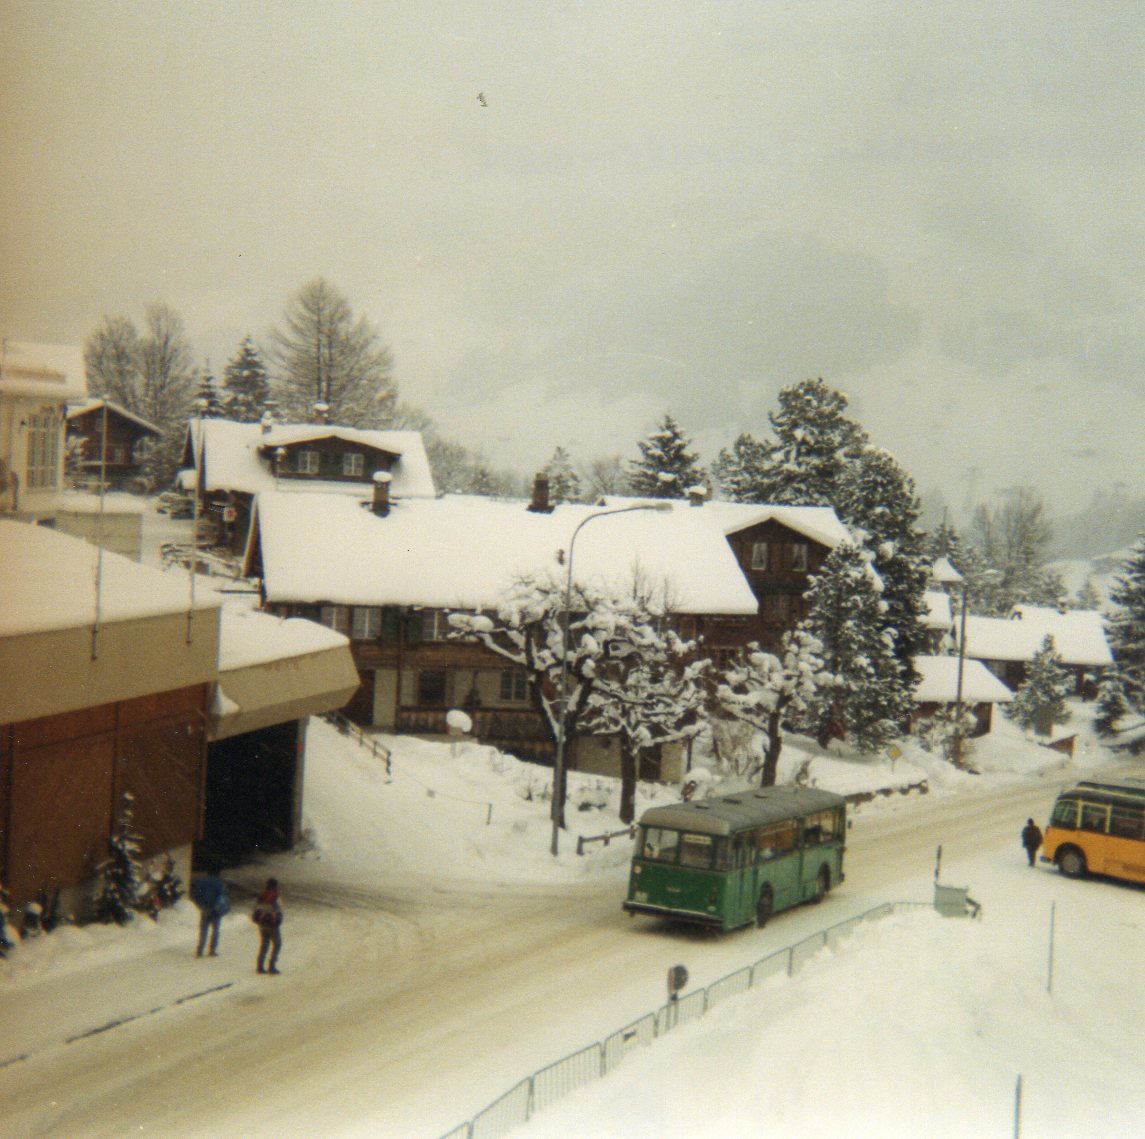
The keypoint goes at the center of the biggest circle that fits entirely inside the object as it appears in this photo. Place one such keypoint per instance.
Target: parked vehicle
(1099, 827)
(729, 861)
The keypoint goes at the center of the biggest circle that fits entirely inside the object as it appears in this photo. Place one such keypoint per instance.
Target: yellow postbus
(1098, 827)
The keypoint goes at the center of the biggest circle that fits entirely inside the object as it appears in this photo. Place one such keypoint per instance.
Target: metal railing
(582, 840)
(348, 728)
(549, 1084)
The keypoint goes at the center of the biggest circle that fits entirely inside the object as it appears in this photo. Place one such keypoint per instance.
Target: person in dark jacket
(209, 893)
(268, 917)
(1031, 839)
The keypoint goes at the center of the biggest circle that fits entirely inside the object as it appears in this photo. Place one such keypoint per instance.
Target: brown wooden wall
(62, 781)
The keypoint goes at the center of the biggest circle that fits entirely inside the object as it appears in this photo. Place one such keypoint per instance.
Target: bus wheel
(764, 907)
(822, 885)
(1071, 862)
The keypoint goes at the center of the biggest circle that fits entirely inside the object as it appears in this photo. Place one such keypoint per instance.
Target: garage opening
(252, 792)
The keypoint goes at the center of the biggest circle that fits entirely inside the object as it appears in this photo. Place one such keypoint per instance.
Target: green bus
(737, 859)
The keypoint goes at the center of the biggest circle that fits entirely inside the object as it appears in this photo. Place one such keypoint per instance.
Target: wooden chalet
(228, 463)
(107, 443)
(388, 574)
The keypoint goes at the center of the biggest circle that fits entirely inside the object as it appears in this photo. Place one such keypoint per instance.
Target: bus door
(739, 883)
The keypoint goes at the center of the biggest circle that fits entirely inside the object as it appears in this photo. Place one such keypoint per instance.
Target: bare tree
(324, 355)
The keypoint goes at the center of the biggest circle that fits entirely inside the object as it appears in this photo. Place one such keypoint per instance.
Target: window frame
(759, 557)
(353, 464)
(307, 462)
(798, 557)
(364, 619)
(336, 617)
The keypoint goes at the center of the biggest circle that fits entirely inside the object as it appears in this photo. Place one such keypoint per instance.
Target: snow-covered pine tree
(564, 482)
(208, 403)
(738, 470)
(1123, 694)
(814, 442)
(121, 875)
(870, 693)
(246, 385)
(667, 467)
(1040, 701)
(1086, 597)
(764, 690)
(877, 499)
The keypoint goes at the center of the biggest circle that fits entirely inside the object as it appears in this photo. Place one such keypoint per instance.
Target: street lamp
(559, 765)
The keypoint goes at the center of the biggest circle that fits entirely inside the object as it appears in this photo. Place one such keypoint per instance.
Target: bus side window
(1127, 822)
(1094, 817)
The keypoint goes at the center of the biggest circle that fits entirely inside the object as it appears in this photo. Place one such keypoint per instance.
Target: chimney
(321, 412)
(540, 502)
(266, 423)
(697, 494)
(381, 504)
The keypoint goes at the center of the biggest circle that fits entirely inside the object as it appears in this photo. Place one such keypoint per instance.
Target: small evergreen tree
(738, 471)
(667, 468)
(208, 404)
(1086, 597)
(246, 384)
(121, 876)
(564, 482)
(870, 693)
(1040, 702)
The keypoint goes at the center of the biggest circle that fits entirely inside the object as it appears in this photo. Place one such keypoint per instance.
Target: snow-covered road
(408, 1003)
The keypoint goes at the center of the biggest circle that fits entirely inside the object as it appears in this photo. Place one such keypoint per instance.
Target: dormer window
(353, 465)
(307, 462)
(759, 555)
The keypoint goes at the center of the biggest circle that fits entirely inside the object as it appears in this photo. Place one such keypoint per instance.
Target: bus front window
(661, 845)
(1065, 814)
(696, 850)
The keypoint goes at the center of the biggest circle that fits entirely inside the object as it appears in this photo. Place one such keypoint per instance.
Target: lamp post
(559, 764)
(945, 573)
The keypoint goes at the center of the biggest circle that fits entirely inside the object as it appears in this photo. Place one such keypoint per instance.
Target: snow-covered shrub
(121, 877)
(1040, 702)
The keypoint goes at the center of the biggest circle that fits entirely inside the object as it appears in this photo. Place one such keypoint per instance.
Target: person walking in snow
(268, 917)
(1031, 839)
(209, 893)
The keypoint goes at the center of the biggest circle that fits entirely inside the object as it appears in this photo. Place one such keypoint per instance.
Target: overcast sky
(567, 219)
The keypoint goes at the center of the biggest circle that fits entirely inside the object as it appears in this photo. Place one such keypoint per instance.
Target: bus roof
(1126, 785)
(731, 813)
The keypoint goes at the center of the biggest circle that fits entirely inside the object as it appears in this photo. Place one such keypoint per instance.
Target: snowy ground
(416, 901)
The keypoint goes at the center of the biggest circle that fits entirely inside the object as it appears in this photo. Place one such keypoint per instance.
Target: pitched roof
(76, 408)
(464, 551)
(937, 614)
(1079, 636)
(939, 682)
(230, 454)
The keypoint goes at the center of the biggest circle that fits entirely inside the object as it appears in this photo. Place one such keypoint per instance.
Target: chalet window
(434, 625)
(798, 555)
(367, 623)
(514, 686)
(43, 452)
(307, 462)
(336, 617)
(431, 686)
(117, 454)
(353, 465)
(759, 555)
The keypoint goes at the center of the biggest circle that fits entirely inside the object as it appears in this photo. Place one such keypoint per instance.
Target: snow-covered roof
(230, 453)
(939, 682)
(43, 371)
(249, 637)
(80, 407)
(1079, 636)
(936, 612)
(819, 523)
(49, 583)
(464, 551)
